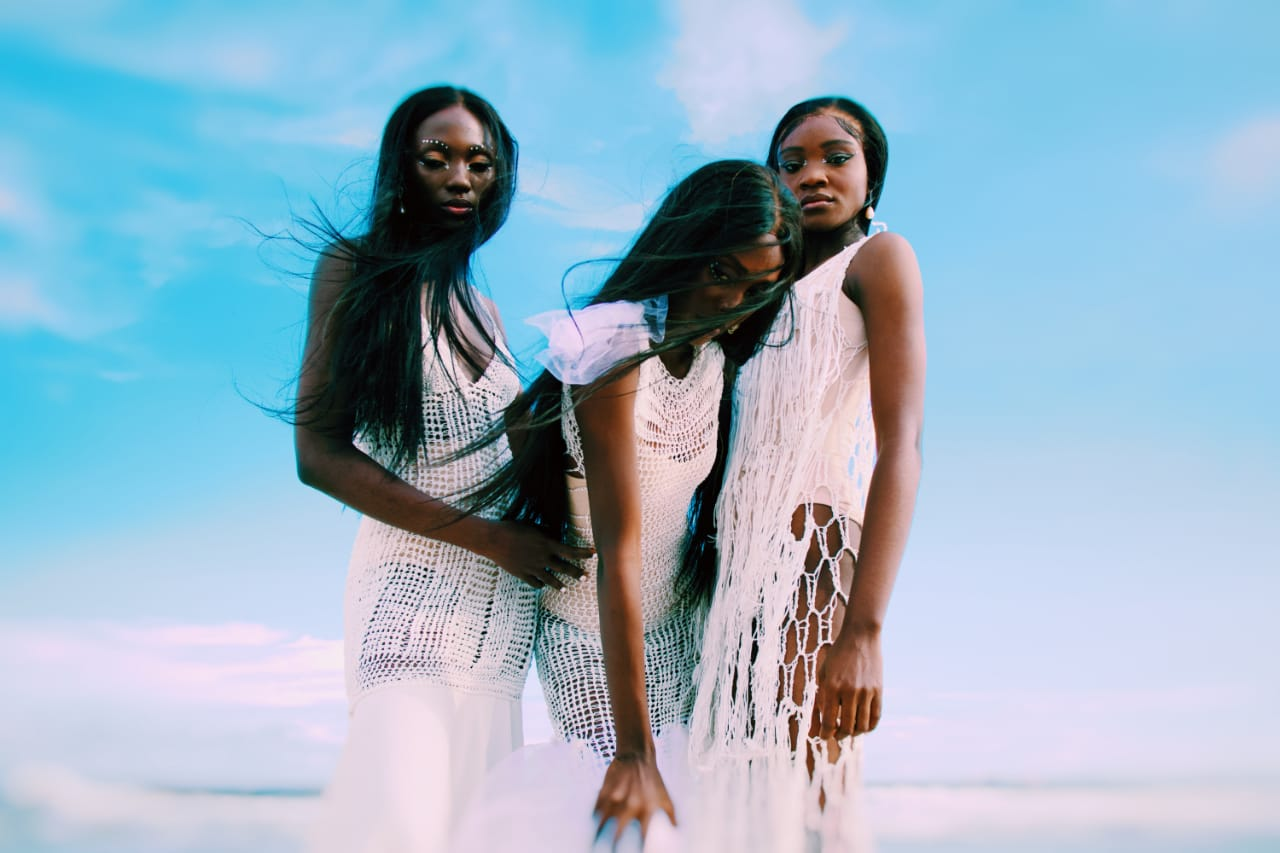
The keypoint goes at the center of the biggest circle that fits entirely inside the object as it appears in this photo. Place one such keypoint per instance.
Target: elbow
(309, 461)
(905, 448)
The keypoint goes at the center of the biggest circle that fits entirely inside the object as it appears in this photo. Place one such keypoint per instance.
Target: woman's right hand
(632, 790)
(531, 555)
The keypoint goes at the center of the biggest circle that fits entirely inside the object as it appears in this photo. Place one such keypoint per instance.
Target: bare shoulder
(333, 271)
(885, 266)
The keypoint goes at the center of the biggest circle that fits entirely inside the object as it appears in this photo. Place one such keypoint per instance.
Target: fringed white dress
(437, 642)
(541, 798)
(789, 521)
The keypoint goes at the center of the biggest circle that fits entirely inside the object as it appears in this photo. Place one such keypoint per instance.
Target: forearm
(622, 640)
(350, 476)
(891, 502)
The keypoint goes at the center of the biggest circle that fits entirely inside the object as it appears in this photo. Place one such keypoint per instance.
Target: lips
(458, 207)
(816, 201)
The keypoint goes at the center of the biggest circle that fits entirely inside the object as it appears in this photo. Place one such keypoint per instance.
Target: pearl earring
(871, 212)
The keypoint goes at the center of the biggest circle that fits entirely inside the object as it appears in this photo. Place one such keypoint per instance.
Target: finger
(670, 810)
(559, 564)
(570, 553)
(848, 716)
(623, 823)
(828, 710)
(863, 713)
(532, 581)
(547, 578)
(600, 828)
(875, 710)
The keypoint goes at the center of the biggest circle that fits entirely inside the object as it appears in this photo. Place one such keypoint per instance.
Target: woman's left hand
(850, 685)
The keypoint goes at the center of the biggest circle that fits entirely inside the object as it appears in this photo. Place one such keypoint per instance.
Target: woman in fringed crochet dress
(404, 369)
(623, 451)
(813, 519)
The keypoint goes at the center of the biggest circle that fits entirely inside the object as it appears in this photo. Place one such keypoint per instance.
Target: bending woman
(816, 507)
(404, 366)
(627, 462)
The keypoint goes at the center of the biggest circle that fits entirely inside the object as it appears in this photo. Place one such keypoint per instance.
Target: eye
(717, 271)
(432, 163)
(791, 166)
(838, 158)
(481, 167)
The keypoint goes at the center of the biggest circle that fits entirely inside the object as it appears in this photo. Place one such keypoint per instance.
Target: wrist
(857, 629)
(474, 534)
(637, 750)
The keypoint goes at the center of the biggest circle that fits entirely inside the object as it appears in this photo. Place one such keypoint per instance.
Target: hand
(632, 790)
(850, 686)
(531, 555)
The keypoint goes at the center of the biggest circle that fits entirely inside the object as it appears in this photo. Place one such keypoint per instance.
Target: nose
(459, 178)
(812, 175)
(733, 298)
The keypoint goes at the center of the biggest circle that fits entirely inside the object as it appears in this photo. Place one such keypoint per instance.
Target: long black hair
(376, 325)
(865, 128)
(722, 208)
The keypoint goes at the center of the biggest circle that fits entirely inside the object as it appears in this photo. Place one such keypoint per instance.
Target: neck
(819, 246)
(678, 360)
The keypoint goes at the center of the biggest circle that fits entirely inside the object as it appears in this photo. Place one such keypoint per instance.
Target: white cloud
(578, 199)
(191, 704)
(1244, 164)
(232, 664)
(23, 306)
(737, 65)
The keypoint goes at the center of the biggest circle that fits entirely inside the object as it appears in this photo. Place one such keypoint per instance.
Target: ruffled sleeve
(583, 345)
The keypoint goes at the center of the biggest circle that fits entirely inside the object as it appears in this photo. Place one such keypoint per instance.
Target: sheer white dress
(437, 642)
(800, 459)
(541, 798)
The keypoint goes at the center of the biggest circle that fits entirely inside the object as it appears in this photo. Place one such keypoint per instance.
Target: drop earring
(870, 213)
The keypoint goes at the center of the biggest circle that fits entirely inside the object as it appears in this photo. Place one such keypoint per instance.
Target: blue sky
(1093, 190)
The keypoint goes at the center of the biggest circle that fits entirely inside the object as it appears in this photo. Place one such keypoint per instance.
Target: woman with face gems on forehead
(404, 370)
(813, 518)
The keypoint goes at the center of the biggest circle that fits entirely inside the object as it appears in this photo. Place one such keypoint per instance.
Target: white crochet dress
(541, 798)
(438, 642)
(803, 441)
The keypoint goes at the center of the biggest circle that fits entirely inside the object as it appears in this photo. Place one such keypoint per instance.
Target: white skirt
(415, 754)
(541, 799)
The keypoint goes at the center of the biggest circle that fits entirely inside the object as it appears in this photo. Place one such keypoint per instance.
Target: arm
(632, 787)
(328, 460)
(884, 280)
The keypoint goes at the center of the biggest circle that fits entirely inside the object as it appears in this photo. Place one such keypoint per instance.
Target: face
(452, 167)
(725, 283)
(822, 164)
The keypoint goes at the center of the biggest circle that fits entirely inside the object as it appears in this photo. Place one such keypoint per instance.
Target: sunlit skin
(822, 163)
(633, 789)
(454, 167)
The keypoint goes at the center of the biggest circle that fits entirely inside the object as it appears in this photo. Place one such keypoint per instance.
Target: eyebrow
(746, 274)
(830, 143)
(441, 144)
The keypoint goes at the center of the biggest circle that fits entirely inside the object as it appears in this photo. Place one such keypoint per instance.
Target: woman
(404, 366)
(822, 477)
(622, 454)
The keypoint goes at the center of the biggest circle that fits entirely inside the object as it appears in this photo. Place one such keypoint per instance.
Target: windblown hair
(376, 325)
(722, 208)
(860, 123)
